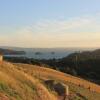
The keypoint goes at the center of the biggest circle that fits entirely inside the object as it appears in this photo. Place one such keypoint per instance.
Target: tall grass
(21, 86)
(75, 84)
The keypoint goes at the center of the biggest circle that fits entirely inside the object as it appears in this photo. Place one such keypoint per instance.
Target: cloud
(79, 31)
(60, 26)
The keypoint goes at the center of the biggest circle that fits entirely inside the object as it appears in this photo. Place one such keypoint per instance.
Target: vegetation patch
(9, 92)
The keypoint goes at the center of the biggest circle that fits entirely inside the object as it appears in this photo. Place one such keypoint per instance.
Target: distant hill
(85, 64)
(11, 52)
(85, 55)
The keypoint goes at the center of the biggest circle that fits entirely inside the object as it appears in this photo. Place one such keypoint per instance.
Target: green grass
(9, 92)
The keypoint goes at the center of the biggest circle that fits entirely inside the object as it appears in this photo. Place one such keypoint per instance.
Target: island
(11, 52)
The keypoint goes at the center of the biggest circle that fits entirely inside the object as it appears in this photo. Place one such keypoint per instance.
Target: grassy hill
(77, 86)
(26, 82)
(17, 85)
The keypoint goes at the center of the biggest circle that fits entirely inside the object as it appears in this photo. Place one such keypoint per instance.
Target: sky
(50, 23)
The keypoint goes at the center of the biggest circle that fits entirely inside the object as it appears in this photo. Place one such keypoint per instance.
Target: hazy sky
(50, 23)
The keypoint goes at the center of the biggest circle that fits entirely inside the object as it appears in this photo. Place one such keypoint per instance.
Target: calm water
(45, 53)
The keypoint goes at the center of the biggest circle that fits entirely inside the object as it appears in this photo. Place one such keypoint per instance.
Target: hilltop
(27, 82)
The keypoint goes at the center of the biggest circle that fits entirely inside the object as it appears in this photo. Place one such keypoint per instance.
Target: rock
(58, 87)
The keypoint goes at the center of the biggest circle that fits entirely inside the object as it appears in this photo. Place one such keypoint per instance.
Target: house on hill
(1, 57)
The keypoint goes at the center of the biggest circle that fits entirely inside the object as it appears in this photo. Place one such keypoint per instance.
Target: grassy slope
(77, 85)
(21, 82)
(17, 85)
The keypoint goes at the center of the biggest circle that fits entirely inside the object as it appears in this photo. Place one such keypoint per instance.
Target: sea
(47, 53)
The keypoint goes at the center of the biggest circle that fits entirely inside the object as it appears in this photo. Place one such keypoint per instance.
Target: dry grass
(47, 72)
(21, 82)
(17, 85)
(86, 88)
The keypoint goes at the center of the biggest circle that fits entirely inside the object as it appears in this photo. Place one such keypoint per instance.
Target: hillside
(77, 86)
(27, 82)
(17, 85)
(84, 64)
